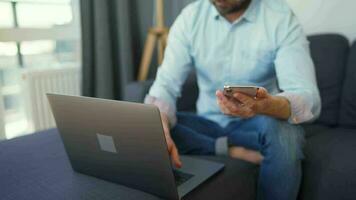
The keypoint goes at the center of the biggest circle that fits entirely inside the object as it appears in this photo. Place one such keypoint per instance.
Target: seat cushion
(238, 180)
(330, 166)
(329, 53)
(348, 103)
(189, 96)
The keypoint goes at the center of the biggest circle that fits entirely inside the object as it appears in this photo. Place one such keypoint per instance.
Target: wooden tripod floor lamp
(156, 35)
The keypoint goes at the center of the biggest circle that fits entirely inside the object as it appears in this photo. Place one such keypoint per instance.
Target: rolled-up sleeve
(295, 72)
(175, 68)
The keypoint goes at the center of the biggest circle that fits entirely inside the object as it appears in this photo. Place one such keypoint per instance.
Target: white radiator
(36, 83)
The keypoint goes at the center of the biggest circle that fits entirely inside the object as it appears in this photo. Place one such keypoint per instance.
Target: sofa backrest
(348, 103)
(329, 53)
(190, 92)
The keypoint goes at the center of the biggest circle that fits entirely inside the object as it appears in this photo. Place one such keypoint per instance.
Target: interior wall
(322, 16)
(326, 16)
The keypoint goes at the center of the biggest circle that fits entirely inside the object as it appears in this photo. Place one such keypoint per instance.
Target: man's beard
(230, 6)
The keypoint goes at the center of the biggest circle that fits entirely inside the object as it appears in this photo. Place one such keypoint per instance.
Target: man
(241, 42)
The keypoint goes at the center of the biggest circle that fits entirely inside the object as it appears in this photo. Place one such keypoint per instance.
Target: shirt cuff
(301, 110)
(163, 107)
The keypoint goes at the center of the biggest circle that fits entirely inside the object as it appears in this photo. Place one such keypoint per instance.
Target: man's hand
(244, 106)
(172, 149)
(241, 105)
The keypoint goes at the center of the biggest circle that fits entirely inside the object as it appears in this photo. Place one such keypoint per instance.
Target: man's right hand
(172, 149)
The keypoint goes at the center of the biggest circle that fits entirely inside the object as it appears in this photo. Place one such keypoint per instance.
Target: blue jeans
(278, 141)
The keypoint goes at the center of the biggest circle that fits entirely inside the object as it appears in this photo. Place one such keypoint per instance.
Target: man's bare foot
(246, 155)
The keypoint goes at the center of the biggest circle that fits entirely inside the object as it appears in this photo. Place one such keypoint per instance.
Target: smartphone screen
(248, 90)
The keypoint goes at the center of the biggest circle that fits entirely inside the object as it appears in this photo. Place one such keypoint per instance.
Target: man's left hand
(244, 106)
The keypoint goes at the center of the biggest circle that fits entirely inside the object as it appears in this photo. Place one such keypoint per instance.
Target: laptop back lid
(117, 141)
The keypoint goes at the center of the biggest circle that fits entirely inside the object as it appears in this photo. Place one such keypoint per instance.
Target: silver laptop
(124, 143)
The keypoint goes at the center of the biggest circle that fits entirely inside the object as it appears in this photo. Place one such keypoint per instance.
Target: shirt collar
(250, 14)
(215, 12)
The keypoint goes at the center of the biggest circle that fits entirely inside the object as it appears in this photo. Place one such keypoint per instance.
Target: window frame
(71, 31)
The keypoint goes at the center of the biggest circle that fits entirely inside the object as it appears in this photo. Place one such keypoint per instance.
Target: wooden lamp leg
(165, 38)
(147, 56)
(157, 34)
(160, 50)
(162, 43)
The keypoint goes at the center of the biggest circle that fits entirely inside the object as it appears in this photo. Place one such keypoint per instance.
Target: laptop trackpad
(181, 177)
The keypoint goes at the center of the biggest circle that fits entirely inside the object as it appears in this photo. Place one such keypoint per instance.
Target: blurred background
(34, 35)
(94, 47)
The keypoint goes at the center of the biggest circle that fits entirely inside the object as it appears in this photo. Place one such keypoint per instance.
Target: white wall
(327, 16)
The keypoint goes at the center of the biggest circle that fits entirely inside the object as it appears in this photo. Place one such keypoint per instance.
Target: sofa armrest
(136, 91)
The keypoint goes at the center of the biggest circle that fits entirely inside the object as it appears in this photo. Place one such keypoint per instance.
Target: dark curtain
(113, 35)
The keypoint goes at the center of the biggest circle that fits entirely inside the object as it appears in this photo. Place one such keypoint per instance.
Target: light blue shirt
(265, 47)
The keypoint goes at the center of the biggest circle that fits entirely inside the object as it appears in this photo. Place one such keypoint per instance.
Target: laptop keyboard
(181, 177)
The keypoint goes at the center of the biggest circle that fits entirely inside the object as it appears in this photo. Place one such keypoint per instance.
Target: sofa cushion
(136, 91)
(189, 95)
(329, 166)
(314, 129)
(329, 53)
(348, 102)
(238, 180)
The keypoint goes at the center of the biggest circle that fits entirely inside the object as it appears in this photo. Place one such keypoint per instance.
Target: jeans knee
(266, 123)
(284, 140)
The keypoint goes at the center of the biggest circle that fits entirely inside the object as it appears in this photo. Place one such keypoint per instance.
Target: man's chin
(225, 7)
(223, 10)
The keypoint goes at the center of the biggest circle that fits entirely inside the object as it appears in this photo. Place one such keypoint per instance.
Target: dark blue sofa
(330, 164)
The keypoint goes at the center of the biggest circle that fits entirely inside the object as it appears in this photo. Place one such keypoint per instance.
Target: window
(31, 15)
(33, 34)
(8, 55)
(6, 19)
(42, 53)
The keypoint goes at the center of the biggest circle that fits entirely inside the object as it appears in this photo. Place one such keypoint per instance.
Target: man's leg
(195, 135)
(250, 152)
(281, 145)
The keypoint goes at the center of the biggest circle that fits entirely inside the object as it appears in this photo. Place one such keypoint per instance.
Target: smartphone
(251, 91)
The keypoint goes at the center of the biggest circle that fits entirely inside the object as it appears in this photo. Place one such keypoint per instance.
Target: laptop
(124, 143)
